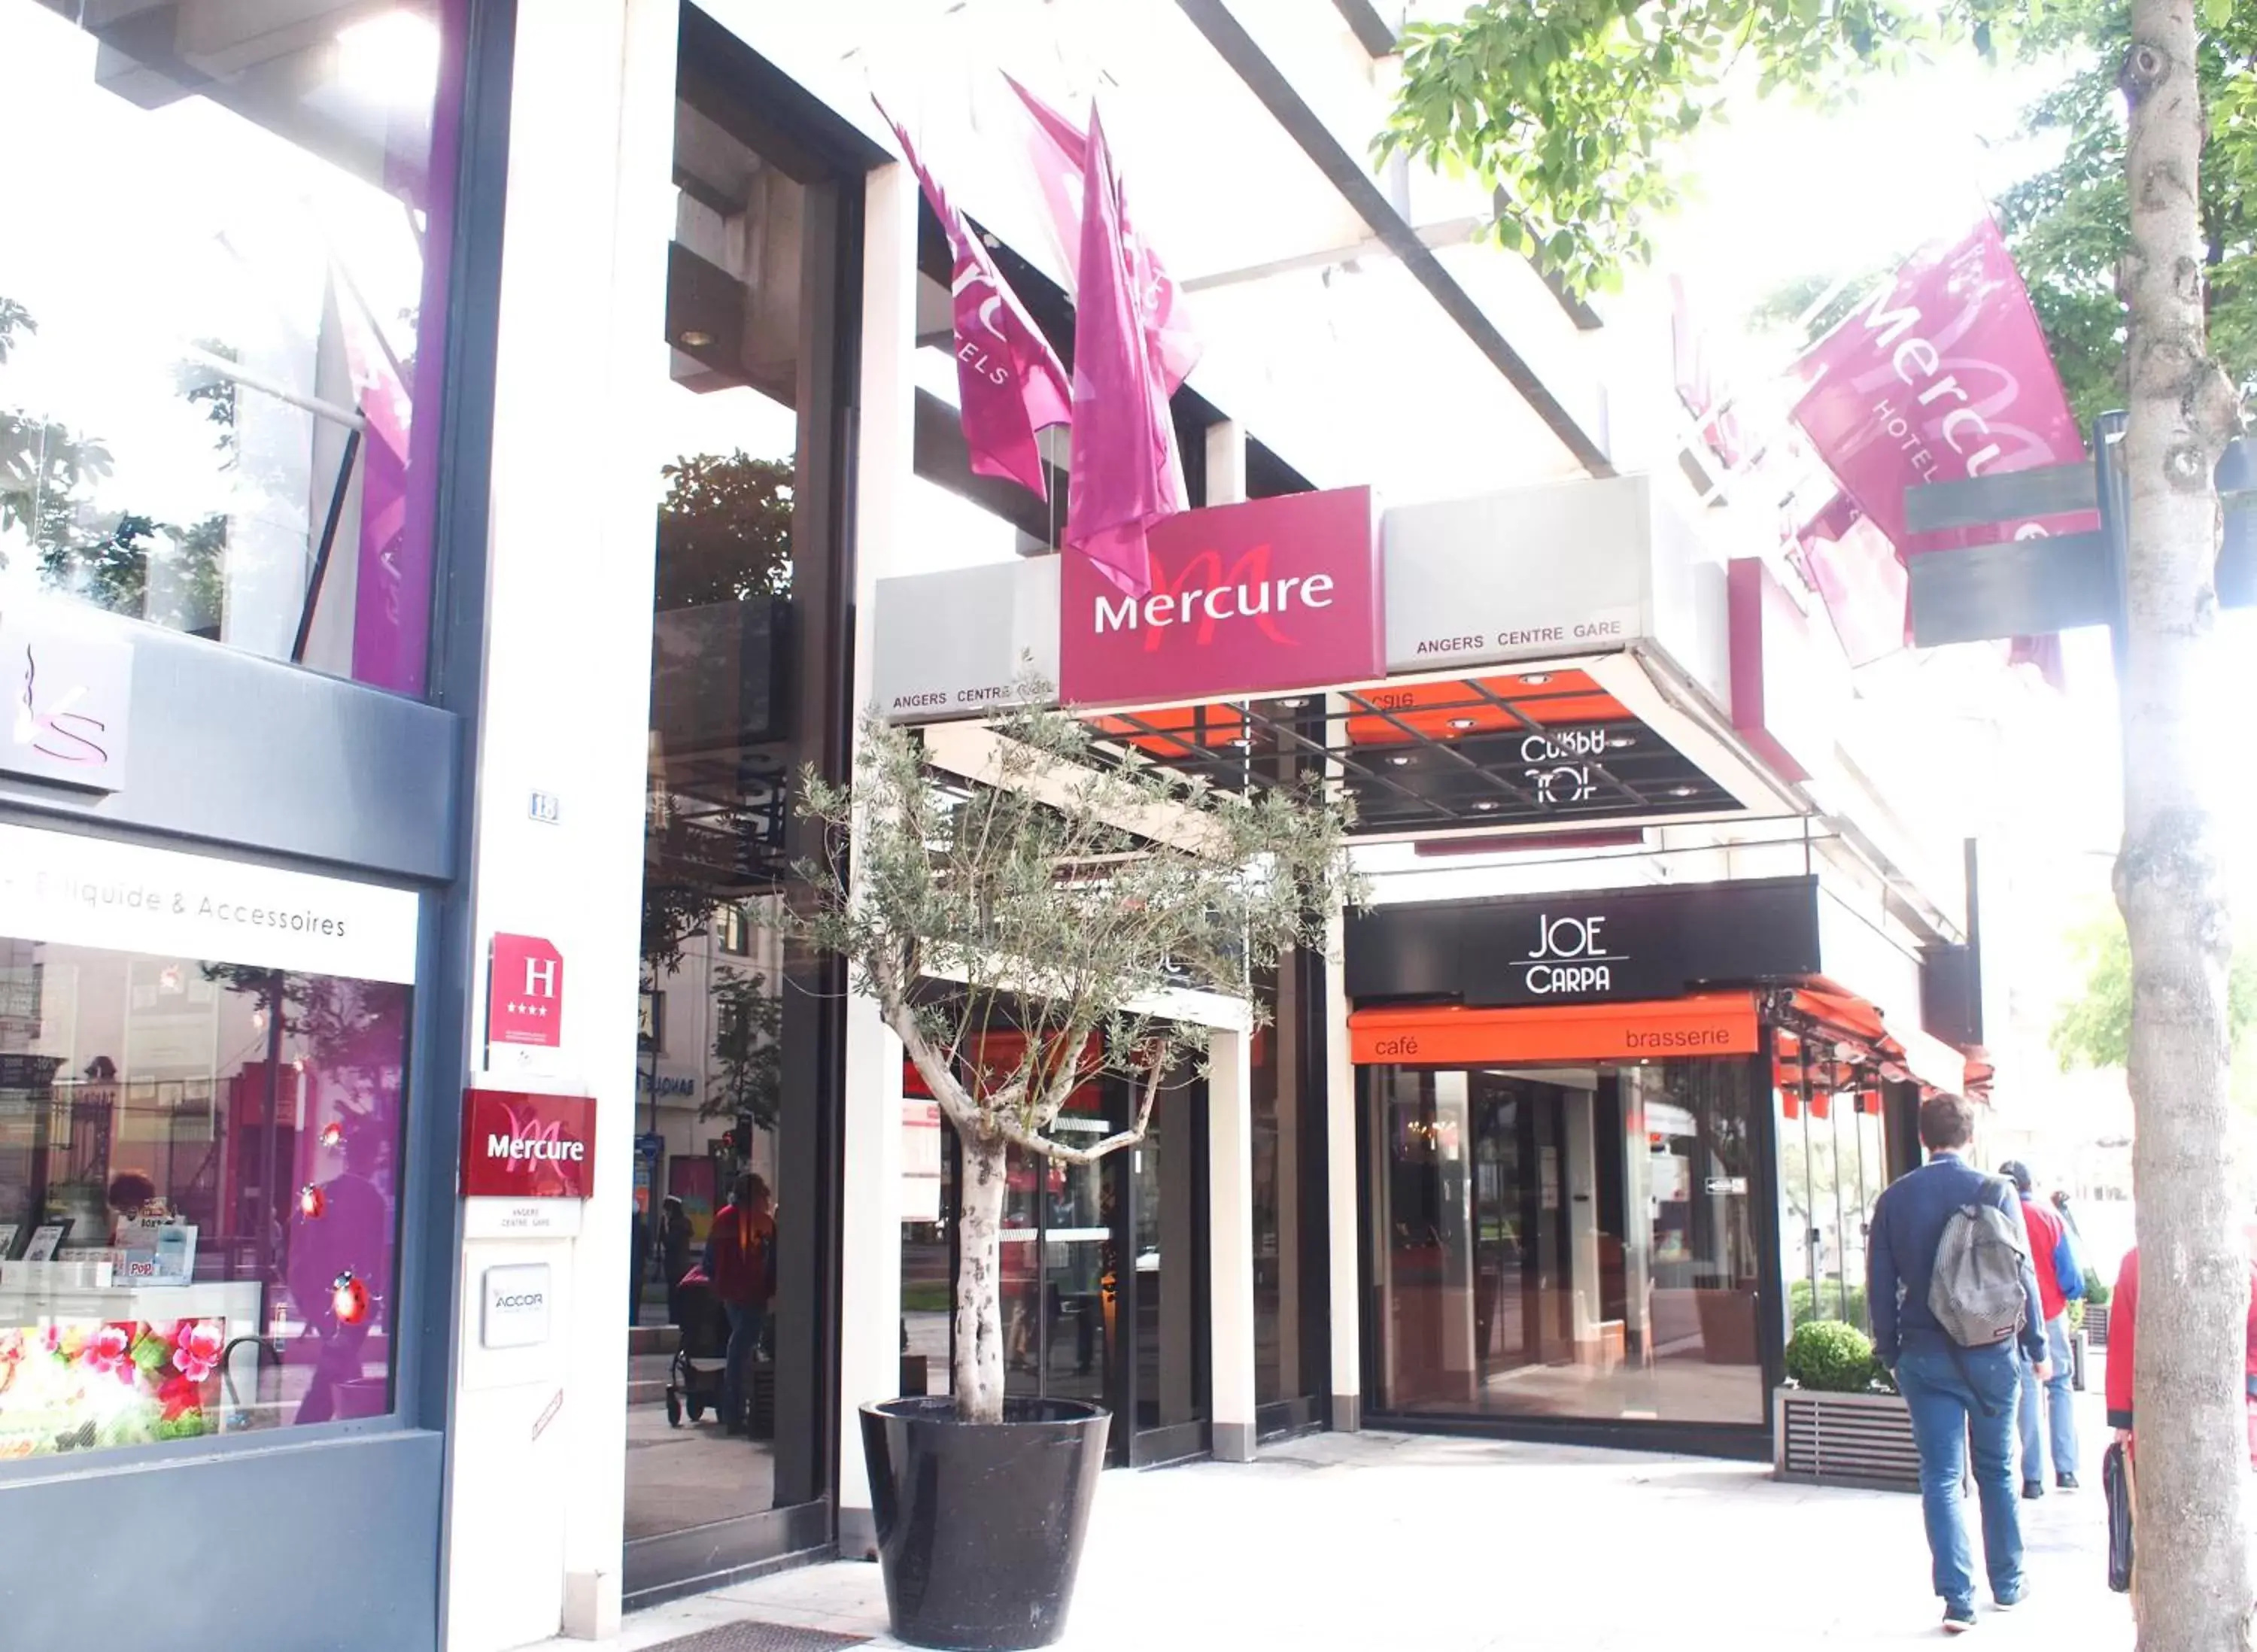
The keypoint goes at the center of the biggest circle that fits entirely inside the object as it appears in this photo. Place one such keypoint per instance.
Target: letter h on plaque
(525, 992)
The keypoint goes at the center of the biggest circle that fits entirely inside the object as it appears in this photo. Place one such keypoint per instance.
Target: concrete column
(1341, 1183)
(870, 1240)
(1582, 1196)
(537, 1448)
(1225, 462)
(1230, 1244)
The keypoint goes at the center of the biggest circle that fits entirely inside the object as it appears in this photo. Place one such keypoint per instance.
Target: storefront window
(198, 1196)
(1833, 1165)
(1571, 1242)
(220, 319)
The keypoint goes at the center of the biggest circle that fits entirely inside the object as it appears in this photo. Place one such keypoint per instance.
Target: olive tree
(1068, 893)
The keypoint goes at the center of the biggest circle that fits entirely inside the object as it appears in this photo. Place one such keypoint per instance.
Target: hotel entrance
(1104, 1272)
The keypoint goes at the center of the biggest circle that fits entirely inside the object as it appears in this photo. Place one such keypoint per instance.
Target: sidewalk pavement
(1427, 1544)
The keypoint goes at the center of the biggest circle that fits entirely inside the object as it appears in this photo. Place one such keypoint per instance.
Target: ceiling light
(1462, 723)
(1683, 791)
(695, 338)
(1537, 679)
(389, 58)
(1619, 742)
(1486, 805)
(1400, 762)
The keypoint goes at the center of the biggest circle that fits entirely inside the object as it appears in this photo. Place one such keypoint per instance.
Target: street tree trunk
(979, 1298)
(2194, 1583)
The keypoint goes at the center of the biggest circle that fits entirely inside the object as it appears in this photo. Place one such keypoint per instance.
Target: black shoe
(1957, 1620)
(2066, 1482)
(2031, 1490)
(2007, 1599)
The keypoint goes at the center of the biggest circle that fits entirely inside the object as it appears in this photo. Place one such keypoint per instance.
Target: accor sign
(1265, 596)
(517, 1145)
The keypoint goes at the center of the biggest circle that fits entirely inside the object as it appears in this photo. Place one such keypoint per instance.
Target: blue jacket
(1908, 1222)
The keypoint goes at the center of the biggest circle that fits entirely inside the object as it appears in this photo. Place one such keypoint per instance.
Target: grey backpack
(1976, 1292)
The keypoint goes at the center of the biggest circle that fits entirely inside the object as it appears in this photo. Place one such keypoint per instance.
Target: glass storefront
(1103, 1271)
(199, 1155)
(220, 319)
(1833, 1161)
(738, 1064)
(1569, 1242)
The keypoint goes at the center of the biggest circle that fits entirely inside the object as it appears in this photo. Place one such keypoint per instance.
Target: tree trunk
(2193, 1587)
(979, 1298)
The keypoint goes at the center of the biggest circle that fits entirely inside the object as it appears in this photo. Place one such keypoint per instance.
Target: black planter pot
(981, 1524)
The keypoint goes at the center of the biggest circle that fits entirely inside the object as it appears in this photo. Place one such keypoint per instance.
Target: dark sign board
(1585, 947)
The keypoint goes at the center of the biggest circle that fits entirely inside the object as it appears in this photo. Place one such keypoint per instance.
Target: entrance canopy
(1521, 660)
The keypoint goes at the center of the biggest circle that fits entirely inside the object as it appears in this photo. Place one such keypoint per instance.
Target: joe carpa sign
(520, 1145)
(1265, 596)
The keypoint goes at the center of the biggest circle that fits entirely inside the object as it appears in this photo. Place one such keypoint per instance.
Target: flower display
(72, 1385)
(197, 1344)
(110, 1353)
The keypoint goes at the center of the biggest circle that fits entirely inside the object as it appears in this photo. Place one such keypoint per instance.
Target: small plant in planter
(1840, 1419)
(1828, 1356)
(1066, 895)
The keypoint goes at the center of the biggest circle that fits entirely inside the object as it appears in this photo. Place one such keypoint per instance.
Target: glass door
(1162, 1380)
(1569, 1242)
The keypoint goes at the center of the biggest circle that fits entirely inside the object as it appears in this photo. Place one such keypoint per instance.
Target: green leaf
(2216, 14)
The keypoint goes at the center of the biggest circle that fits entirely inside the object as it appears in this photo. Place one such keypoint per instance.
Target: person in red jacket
(2048, 1409)
(740, 1259)
(2123, 1334)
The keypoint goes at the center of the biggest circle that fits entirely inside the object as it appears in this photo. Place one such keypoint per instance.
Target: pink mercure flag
(1009, 381)
(1941, 375)
(1060, 152)
(1127, 474)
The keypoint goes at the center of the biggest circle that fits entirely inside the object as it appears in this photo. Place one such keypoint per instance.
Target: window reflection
(198, 1196)
(219, 341)
(1569, 1242)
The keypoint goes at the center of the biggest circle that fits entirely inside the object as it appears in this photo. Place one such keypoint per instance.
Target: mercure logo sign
(1265, 596)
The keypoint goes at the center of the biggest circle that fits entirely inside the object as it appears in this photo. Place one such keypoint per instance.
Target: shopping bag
(2116, 1488)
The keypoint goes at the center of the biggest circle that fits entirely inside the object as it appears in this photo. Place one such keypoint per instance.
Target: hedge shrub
(1828, 1357)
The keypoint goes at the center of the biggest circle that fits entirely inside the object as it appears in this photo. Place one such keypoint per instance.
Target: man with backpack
(1952, 1296)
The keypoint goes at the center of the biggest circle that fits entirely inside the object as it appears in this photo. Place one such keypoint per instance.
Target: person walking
(1958, 1396)
(675, 1235)
(740, 1260)
(2123, 1340)
(2050, 1408)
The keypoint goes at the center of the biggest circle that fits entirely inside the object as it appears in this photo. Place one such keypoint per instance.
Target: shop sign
(1451, 1036)
(515, 1309)
(1536, 574)
(1263, 596)
(518, 1145)
(525, 992)
(514, 1219)
(957, 644)
(65, 687)
(94, 891)
(1605, 944)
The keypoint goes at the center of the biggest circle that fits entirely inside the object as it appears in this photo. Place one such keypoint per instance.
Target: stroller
(694, 1382)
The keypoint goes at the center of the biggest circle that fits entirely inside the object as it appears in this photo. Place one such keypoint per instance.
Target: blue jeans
(2055, 1405)
(1947, 1414)
(746, 1322)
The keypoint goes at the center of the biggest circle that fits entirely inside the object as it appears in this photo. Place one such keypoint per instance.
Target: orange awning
(1449, 1035)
